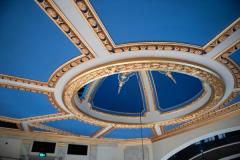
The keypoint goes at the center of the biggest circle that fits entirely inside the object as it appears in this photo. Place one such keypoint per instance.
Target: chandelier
(124, 77)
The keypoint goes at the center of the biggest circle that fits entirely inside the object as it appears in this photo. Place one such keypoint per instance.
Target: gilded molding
(8, 119)
(230, 98)
(210, 117)
(136, 65)
(49, 117)
(24, 81)
(65, 68)
(95, 23)
(54, 102)
(96, 134)
(67, 28)
(234, 68)
(222, 36)
(211, 114)
(162, 46)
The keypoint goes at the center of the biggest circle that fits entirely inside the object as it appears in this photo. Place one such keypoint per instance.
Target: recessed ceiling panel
(123, 133)
(187, 21)
(234, 100)
(22, 104)
(31, 45)
(74, 126)
(236, 57)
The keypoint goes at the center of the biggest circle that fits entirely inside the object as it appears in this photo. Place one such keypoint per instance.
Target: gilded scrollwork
(136, 65)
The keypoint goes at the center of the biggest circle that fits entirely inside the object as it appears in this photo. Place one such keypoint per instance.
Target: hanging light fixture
(124, 77)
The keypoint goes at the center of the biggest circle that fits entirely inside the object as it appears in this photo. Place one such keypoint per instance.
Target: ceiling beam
(46, 118)
(148, 91)
(75, 18)
(102, 131)
(24, 84)
(232, 39)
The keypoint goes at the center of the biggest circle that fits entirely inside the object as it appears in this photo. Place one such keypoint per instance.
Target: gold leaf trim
(24, 81)
(67, 28)
(231, 65)
(136, 65)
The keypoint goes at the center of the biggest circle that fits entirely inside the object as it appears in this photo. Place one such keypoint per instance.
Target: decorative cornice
(50, 8)
(23, 81)
(67, 138)
(132, 65)
(222, 36)
(234, 68)
(95, 23)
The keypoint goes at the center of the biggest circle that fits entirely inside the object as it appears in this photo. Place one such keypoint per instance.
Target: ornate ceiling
(95, 69)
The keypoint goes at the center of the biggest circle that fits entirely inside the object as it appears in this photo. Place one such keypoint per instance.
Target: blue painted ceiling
(235, 56)
(186, 21)
(21, 104)
(124, 133)
(74, 126)
(31, 45)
